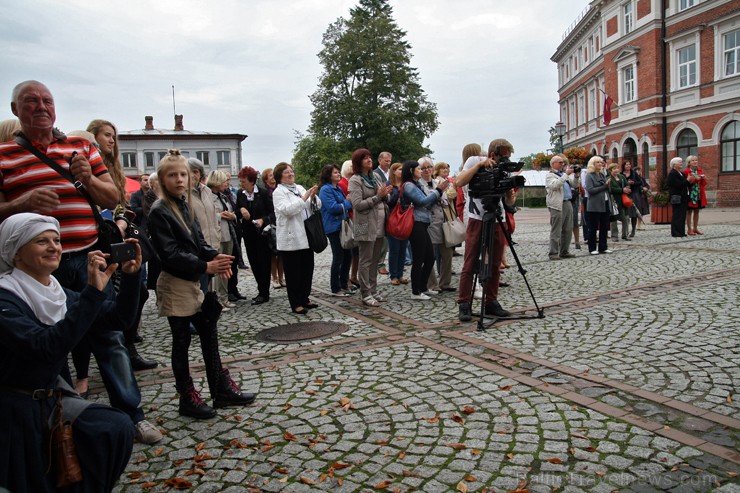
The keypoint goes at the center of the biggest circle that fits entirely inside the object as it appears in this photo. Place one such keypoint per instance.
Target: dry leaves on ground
(178, 483)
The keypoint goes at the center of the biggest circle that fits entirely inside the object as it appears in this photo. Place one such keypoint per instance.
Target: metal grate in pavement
(299, 332)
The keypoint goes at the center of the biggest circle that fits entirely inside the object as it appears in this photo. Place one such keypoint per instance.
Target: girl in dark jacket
(185, 257)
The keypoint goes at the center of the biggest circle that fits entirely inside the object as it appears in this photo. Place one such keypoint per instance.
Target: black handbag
(317, 240)
(108, 231)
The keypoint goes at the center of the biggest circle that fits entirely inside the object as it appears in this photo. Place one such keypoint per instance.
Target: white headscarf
(49, 303)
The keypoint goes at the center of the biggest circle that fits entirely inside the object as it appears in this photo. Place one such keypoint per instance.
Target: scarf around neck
(48, 303)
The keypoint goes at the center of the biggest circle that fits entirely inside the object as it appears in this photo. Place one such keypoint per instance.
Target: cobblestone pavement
(629, 383)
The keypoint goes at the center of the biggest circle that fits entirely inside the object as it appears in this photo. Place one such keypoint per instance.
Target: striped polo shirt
(21, 171)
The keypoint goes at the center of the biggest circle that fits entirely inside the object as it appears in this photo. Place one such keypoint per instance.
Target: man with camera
(499, 150)
(560, 188)
(28, 184)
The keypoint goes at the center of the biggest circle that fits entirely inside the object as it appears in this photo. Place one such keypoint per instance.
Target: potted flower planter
(661, 214)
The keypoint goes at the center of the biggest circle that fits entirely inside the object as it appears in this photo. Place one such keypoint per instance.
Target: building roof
(156, 133)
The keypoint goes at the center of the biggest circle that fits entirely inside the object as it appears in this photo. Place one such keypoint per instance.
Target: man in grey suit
(382, 171)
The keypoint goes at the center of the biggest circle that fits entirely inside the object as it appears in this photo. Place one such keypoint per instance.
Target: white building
(141, 150)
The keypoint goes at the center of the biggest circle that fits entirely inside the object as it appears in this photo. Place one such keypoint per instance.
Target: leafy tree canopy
(368, 95)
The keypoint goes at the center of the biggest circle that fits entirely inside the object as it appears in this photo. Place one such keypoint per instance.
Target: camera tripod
(485, 265)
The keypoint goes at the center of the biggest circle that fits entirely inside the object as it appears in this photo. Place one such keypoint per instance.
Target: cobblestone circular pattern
(304, 331)
(405, 417)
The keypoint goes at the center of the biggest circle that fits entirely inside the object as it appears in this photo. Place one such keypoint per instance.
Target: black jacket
(183, 254)
(259, 208)
(677, 183)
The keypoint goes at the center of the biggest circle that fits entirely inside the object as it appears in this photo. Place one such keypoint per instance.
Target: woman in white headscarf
(39, 323)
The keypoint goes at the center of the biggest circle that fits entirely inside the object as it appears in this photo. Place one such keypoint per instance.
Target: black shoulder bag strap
(21, 140)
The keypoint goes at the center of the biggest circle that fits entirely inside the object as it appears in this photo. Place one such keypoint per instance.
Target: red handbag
(399, 223)
(626, 201)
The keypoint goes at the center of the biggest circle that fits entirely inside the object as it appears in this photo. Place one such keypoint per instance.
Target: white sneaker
(607, 251)
(147, 433)
(420, 297)
(430, 292)
(595, 252)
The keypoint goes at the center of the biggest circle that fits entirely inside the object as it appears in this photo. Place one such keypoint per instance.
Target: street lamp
(560, 130)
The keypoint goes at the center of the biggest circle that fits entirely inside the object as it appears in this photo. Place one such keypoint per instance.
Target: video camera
(496, 181)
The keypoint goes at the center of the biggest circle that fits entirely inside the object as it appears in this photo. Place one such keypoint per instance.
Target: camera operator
(498, 149)
(560, 188)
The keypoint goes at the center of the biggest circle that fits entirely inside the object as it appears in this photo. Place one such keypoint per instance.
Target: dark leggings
(423, 253)
(180, 328)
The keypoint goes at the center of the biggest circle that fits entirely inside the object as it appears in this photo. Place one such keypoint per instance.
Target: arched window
(645, 168)
(629, 151)
(687, 144)
(730, 145)
(615, 155)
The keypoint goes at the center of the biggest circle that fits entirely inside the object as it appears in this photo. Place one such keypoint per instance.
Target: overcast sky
(249, 66)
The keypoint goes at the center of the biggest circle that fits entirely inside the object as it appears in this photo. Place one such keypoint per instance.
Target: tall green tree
(368, 95)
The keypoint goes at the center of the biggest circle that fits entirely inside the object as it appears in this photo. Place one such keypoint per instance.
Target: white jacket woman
(292, 205)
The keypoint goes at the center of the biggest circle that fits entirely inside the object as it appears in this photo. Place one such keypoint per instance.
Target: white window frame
(592, 103)
(676, 45)
(686, 68)
(628, 87)
(128, 160)
(591, 49)
(627, 11)
(581, 107)
(571, 113)
(685, 4)
(154, 162)
(203, 157)
(735, 52)
(220, 155)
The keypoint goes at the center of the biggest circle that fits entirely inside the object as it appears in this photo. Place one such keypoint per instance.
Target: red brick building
(672, 68)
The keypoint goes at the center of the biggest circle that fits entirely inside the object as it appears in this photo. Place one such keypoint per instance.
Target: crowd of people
(61, 295)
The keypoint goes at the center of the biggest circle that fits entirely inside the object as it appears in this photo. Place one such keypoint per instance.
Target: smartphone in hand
(120, 252)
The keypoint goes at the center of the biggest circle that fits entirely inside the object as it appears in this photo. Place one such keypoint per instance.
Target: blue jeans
(107, 346)
(341, 261)
(396, 256)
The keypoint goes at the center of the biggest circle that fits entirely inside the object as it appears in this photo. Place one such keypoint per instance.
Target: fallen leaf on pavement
(457, 419)
(505, 388)
(432, 420)
(158, 452)
(456, 446)
(289, 436)
(200, 447)
(305, 480)
(462, 487)
(554, 460)
(339, 465)
(179, 483)
(148, 486)
(135, 474)
(471, 479)
(383, 485)
(468, 410)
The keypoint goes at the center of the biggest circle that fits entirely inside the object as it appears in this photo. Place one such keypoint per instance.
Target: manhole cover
(304, 331)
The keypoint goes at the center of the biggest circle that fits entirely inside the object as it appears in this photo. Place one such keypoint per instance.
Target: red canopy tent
(132, 185)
